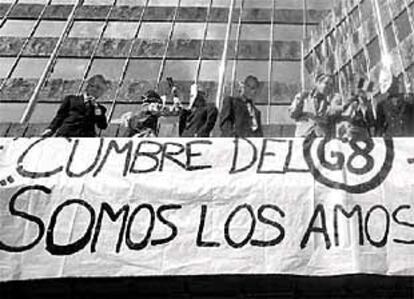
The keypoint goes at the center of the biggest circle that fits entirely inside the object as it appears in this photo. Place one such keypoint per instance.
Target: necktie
(253, 123)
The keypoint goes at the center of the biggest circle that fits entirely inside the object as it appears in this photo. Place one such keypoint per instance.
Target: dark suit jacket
(198, 122)
(235, 120)
(395, 120)
(76, 119)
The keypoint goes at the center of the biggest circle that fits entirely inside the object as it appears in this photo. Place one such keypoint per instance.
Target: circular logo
(356, 166)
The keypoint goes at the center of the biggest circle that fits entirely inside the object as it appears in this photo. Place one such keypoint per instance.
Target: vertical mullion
(304, 36)
(33, 99)
(398, 44)
(97, 45)
(364, 45)
(236, 48)
(8, 12)
(170, 36)
(128, 60)
(223, 62)
(26, 42)
(200, 58)
(270, 69)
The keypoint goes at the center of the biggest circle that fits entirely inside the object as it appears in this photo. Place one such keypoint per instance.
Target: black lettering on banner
(356, 210)
(172, 226)
(70, 173)
(288, 161)
(169, 154)
(35, 175)
(144, 242)
(26, 216)
(107, 209)
(151, 155)
(200, 241)
(383, 241)
(338, 156)
(360, 188)
(402, 223)
(265, 153)
(191, 154)
(76, 246)
(113, 145)
(319, 212)
(273, 223)
(361, 152)
(234, 169)
(248, 237)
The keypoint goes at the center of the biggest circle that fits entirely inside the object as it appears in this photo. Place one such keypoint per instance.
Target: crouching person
(144, 123)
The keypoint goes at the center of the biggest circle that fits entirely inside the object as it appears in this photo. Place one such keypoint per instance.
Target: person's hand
(98, 110)
(174, 91)
(299, 99)
(47, 133)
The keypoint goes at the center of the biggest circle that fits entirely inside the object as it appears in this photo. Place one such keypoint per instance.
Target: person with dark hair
(239, 116)
(144, 123)
(395, 113)
(200, 117)
(313, 112)
(79, 114)
(357, 118)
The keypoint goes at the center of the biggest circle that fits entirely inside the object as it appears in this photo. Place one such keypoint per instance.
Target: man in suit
(395, 113)
(79, 114)
(200, 117)
(239, 116)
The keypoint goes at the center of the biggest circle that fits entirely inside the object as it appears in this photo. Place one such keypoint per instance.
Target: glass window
(50, 29)
(189, 31)
(111, 69)
(63, 2)
(30, 68)
(163, 3)
(33, 1)
(155, 30)
(131, 2)
(5, 65)
(86, 29)
(69, 68)
(218, 31)
(195, 3)
(124, 30)
(143, 69)
(98, 2)
(17, 28)
(182, 70)
(11, 112)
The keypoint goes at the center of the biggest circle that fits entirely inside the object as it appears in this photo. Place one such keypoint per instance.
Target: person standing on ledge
(199, 118)
(313, 112)
(79, 114)
(239, 116)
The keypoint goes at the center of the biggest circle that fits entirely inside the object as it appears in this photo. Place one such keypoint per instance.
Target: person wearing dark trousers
(78, 115)
(239, 116)
(200, 117)
(395, 113)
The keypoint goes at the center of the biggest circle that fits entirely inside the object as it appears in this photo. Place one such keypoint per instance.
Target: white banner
(123, 207)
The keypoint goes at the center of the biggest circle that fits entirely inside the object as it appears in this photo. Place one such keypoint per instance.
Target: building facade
(361, 38)
(48, 48)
